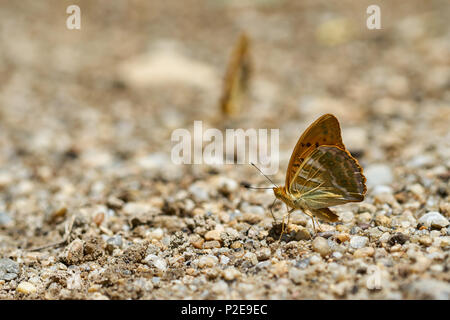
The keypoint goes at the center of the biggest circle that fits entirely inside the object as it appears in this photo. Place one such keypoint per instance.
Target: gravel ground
(91, 206)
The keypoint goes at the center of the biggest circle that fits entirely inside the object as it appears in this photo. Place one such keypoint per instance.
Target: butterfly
(236, 79)
(321, 173)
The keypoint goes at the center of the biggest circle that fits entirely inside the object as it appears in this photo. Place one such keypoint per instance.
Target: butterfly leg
(288, 214)
(309, 214)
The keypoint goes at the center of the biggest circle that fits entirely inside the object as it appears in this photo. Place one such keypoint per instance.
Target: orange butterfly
(321, 173)
(237, 78)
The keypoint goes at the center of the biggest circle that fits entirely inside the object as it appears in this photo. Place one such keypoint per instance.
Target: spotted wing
(323, 131)
(329, 176)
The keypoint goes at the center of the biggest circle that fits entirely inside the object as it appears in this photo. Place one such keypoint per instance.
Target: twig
(65, 239)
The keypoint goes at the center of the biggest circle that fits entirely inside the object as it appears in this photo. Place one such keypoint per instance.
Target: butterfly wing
(329, 176)
(323, 131)
(325, 214)
(237, 78)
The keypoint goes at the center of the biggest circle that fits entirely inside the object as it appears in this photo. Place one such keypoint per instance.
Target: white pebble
(26, 288)
(434, 219)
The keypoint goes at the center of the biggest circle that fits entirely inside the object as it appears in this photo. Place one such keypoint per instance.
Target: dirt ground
(92, 207)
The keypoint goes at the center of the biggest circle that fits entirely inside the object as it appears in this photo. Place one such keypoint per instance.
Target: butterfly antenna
(263, 175)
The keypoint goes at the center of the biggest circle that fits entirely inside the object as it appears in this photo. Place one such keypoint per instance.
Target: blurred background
(86, 114)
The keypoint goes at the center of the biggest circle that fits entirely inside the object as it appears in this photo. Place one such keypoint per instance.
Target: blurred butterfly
(236, 79)
(321, 173)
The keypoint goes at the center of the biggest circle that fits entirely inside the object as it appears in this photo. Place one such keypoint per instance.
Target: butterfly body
(321, 172)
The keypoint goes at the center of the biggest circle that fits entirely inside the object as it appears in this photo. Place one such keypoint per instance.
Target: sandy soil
(92, 207)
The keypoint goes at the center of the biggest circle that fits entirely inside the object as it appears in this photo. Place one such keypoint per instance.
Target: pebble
(381, 189)
(382, 220)
(434, 220)
(224, 259)
(250, 256)
(430, 289)
(364, 252)
(26, 288)
(301, 233)
(5, 219)
(212, 235)
(231, 274)
(153, 260)
(364, 217)
(336, 255)
(199, 192)
(358, 242)
(197, 241)
(297, 275)
(425, 240)
(157, 234)
(9, 269)
(378, 174)
(343, 237)
(315, 259)
(74, 253)
(207, 261)
(320, 245)
(385, 237)
(227, 185)
(211, 244)
(263, 254)
(114, 242)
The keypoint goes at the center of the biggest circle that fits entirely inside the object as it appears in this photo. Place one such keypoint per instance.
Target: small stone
(385, 237)
(342, 237)
(301, 233)
(297, 275)
(382, 220)
(98, 218)
(207, 261)
(153, 260)
(336, 255)
(9, 269)
(364, 252)
(26, 288)
(346, 216)
(212, 235)
(226, 185)
(199, 192)
(263, 254)
(399, 238)
(197, 242)
(211, 244)
(113, 243)
(5, 219)
(224, 259)
(382, 189)
(425, 240)
(157, 234)
(236, 245)
(231, 274)
(434, 220)
(364, 217)
(358, 242)
(430, 289)
(378, 174)
(374, 233)
(250, 256)
(315, 259)
(74, 253)
(321, 246)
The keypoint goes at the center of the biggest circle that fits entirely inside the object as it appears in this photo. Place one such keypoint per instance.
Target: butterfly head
(280, 193)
